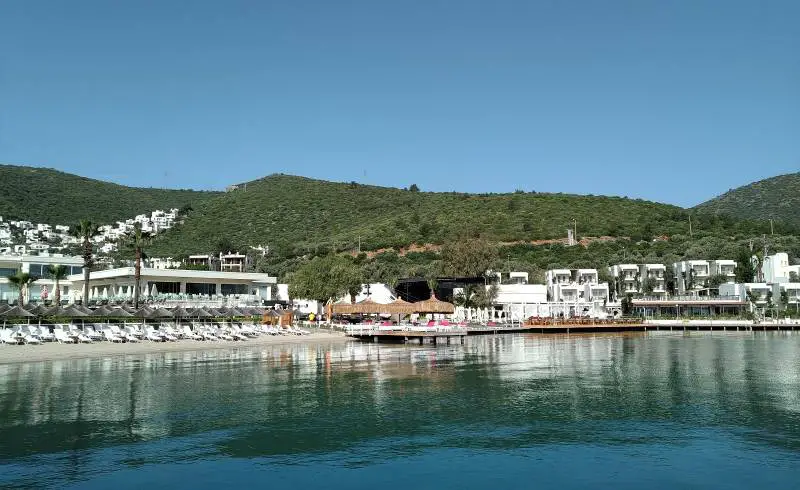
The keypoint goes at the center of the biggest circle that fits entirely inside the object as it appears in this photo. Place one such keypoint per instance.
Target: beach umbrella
(223, 311)
(39, 310)
(83, 309)
(129, 308)
(154, 291)
(71, 311)
(119, 313)
(105, 293)
(17, 312)
(200, 313)
(215, 313)
(4, 307)
(273, 314)
(101, 311)
(142, 312)
(160, 313)
(234, 312)
(180, 312)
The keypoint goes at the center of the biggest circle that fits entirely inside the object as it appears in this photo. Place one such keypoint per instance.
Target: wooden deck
(456, 335)
(405, 336)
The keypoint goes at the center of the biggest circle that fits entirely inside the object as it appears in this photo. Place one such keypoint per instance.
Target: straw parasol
(101, 311)
(17, 312)
(143, 312)
(119, 313)
(71, 311)
(160, 313)
(434, 305)
(4, 307)
(199, 313)
(232, 312)
(180, 312)
(213, 312)
(39, 310)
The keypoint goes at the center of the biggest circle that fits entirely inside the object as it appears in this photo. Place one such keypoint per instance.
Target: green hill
(300, 215)
(44, 195)
(776, 197)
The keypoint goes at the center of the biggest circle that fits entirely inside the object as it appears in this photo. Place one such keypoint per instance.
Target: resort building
(207, 262)
(691, 276)
(179, 286)
(578, 286)
(725, 268)
(234, 262)
(776, 268)
(792, 290)
(36, 265)
(639, 279)
(758, 292)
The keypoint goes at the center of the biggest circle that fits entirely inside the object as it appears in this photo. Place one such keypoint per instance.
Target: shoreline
(53, 351)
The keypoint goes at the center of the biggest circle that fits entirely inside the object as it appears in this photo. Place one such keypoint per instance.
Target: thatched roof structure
(17, 312)
(39, 310)
(434, 305)
(180, 312)
(160, 313)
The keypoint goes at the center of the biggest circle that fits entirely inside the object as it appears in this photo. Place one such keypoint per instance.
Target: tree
(135, 241)
(85, 230)
(57, 273)
(413, 188)
(715, 281)
(470, 258)
(745, 272)
(794, 277)
(476, 296)
(325, 279)
(627, 305)
(784, 300)
(21, 281)
(648, 285)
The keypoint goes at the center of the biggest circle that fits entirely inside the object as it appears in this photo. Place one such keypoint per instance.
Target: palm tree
(21, 281)
(57, 273)
(136, 240)
(85, 230)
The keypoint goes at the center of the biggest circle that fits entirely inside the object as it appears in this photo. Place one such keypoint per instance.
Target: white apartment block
(776, 268)
(578, 286)
(722, 267)
(691, 275)
(758, 290)
(630, 279)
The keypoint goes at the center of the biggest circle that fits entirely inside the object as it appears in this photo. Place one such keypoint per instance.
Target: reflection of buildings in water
(137, 393)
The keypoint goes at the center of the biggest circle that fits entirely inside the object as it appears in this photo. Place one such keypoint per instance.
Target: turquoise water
(522, 411)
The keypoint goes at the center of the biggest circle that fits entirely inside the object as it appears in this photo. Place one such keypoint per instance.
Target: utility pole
(359, 243)
(690, 225)
(771, 228)
(575, 228)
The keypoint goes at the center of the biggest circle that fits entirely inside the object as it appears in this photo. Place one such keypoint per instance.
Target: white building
(758, 290)
(579, 286)
(630, 279)
(792, 293)
(162, 263)
(691, 276)
(180, 286)
(36, 265)
(776, 268)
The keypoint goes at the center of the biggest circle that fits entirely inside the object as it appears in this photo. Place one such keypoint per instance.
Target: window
(6, 271)
(201, 288)
(166, 287)
(234, 289)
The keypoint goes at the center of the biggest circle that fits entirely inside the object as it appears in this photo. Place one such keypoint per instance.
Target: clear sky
(674, 101)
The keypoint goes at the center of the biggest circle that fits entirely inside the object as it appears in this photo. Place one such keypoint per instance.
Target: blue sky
(670, 101)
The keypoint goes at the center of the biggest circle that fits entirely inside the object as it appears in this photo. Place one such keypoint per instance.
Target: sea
(623, 411)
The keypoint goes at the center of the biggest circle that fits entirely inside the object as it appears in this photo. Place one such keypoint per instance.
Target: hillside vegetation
(44, 195)
(776, 197)
(300, 218)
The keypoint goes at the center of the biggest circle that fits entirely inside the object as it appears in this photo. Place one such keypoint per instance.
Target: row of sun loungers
(165, 332)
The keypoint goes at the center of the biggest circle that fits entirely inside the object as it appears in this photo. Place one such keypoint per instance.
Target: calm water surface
(521, 411)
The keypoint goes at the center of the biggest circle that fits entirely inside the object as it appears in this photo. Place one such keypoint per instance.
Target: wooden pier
(420, 337)
(457, 334)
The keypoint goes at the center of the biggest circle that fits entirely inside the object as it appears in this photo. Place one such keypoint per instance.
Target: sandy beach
(55, 351)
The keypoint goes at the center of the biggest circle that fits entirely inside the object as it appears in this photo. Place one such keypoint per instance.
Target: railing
(709, 299)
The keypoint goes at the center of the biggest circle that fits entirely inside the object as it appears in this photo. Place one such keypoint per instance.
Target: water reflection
(304, 402)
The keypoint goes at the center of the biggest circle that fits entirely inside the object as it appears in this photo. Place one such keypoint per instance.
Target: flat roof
(149, 273)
